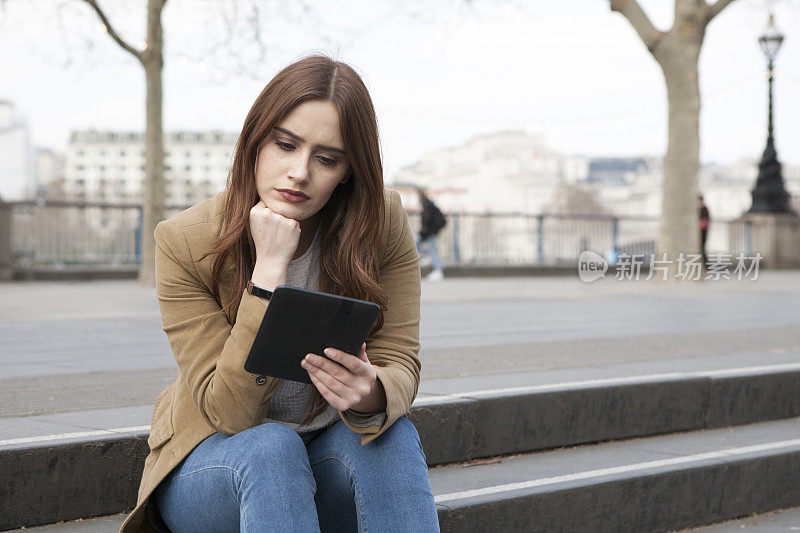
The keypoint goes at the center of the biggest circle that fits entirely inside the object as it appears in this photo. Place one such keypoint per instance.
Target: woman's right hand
(275, 236)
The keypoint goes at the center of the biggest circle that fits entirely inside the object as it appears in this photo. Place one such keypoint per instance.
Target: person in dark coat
(431, 224)
(703, 216)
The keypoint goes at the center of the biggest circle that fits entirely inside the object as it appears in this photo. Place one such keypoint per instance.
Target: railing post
(456, 243)
(540, 238)
(748, 237)
(138, 246)
(6, 268)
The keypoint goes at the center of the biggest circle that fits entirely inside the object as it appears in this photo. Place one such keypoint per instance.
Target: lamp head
(771, 40)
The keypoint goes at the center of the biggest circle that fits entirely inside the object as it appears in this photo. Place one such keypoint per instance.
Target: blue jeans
(430, 240)
(266, 479)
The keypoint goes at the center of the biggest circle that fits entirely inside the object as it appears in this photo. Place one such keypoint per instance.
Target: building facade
(110, 166)
(17, 169)
(509, 171)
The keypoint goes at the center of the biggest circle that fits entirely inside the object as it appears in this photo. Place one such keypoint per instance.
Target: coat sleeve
(209, 351)
(394, 349)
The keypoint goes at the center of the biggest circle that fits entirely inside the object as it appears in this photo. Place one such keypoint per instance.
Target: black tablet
(301, 321)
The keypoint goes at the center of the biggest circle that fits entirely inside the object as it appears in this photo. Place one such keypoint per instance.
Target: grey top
(290, 402)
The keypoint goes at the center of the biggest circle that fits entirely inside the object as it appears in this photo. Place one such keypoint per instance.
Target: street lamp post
(769, 194)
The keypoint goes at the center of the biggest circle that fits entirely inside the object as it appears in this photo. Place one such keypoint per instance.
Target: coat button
(261, 379)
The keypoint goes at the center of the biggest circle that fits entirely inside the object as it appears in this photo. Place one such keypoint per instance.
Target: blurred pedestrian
(432, 223)
(703, 215)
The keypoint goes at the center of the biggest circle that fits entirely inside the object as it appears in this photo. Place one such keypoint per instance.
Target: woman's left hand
(346, 380)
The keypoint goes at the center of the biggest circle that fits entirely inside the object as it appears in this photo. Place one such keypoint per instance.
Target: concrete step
(479, 416)
(650, 484)
(61, 467)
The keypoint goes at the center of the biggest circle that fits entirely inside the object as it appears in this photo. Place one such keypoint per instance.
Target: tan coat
(213, 392)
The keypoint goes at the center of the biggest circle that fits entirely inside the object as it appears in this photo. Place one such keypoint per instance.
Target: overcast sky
(570, 70)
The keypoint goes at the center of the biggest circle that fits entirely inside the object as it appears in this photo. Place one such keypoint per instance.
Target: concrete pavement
(75, 346)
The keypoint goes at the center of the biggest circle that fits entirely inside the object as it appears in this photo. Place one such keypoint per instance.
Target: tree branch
(631, 10)
(113, 33)
(714, 9)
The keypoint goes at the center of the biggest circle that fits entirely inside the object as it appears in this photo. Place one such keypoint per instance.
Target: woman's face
(304, 153)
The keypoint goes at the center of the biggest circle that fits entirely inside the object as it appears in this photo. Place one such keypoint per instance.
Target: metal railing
(551, 239)
(56, 235)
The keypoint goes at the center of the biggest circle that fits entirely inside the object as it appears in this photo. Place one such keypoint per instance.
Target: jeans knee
(274, 444)
(402, 434)
(405, 427)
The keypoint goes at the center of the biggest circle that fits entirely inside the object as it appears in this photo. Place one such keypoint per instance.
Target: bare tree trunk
(677, 52)
(152, 60)
(678, 225)
(153, 194)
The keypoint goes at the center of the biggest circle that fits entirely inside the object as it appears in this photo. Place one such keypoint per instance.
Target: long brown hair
(350, 223)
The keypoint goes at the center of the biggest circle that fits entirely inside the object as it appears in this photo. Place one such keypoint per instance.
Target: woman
(304, 205)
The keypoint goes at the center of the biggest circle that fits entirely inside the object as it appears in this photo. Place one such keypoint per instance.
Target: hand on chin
(282, 209)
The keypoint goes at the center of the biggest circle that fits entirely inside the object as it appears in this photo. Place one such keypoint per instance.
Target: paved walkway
(784, 520)
(74, 346)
